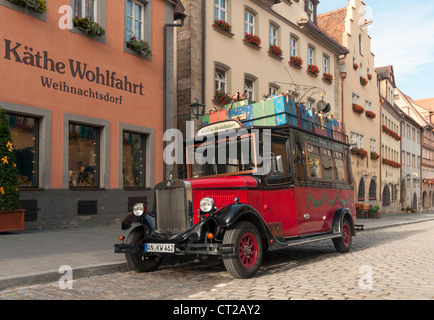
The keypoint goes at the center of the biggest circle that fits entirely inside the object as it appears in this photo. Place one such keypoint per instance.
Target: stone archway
(403, 195)
(386, 196)
(425, 200)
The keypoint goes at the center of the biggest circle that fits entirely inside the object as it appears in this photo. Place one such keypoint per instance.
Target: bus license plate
(160, 247)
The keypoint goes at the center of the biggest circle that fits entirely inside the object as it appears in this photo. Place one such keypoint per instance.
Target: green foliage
(39, 6)
(140, 46)
(9, 196)
(92, 28)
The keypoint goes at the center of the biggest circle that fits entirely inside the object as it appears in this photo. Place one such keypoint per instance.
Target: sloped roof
(427, 104)
(333, 23)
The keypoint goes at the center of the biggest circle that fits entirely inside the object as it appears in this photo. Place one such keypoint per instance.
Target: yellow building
(360, 109)
(245, 46)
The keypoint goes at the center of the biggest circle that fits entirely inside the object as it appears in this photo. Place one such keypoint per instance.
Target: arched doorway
(403, 195)
(386, 196)
(361, 195)
(372, 190)
(425, 200)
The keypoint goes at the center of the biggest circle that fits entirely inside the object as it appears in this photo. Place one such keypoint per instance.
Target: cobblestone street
(393, 263)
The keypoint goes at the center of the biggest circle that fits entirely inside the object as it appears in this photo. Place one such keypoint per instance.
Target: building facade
(86, 107)
(422, 117)
(391, 137)
(246, 47)
(360, 108)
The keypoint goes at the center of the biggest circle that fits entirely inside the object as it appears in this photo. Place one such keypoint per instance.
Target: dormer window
(311, 10)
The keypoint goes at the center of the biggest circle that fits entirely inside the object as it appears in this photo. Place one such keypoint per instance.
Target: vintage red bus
(237, 209)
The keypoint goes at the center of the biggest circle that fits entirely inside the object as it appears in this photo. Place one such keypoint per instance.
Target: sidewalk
(35, 257)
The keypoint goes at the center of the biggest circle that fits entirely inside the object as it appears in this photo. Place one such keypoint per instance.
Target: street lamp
(197, 109)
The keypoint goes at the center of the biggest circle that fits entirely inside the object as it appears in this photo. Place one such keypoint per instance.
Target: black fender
(338, 219)
(228, 215)
(143, 220)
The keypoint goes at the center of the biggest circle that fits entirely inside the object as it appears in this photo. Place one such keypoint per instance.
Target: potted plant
(89, 26)
(328, 77)
(313, 69)
(275, 50)
(374, 155)
(370, 114)
(39, 6)
(222, 98)
(355, 66)
(139, 46)
(363, 81)
(222, 25)
(252, 39)
(296, 61)
(358, 109)
(11, 216)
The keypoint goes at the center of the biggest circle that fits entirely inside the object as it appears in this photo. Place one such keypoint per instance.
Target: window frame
(293, 45)
(104, 148)
(146, 27)
(247, 24)
(218, 8)
(133, 19)
(101, 10)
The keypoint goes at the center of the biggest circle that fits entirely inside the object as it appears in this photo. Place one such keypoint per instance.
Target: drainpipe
(166, 27)
(203, 49)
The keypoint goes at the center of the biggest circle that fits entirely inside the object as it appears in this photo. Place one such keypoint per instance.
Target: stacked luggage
(276, 111)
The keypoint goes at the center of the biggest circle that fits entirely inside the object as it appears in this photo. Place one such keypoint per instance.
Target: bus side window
(299, 157)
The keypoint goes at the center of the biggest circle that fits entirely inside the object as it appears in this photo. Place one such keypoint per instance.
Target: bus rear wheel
(246, 259)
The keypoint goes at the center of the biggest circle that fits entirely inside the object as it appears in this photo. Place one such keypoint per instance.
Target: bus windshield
(228, 156)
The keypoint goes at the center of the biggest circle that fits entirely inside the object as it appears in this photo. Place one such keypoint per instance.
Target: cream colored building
(211, 59)
(392, 125)
(358, 87)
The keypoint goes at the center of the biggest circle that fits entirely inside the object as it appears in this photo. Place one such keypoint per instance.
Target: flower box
(328, 77)
(140, 46)
(358, 109)
(370, 114)
(374, 155)
(222, 25)
(39, 6)
(361, 153)
(275, 50)
(222, 98)
(369, 76)
(252, 39)
(391, 163)
(363, 81)
(296, 61)
(355, 66)
(93, 29)
(12, 220)
(313, 69)
(391, 133)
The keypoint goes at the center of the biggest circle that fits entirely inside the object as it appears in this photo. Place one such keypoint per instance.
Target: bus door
(279, 195)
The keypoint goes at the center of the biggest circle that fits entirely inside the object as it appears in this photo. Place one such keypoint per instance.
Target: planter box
(12, 220)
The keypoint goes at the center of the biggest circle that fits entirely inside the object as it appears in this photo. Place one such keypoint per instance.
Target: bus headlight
(139, 209)
(206, 204)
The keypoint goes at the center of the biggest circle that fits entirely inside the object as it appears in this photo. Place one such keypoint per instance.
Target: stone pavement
(34, 257)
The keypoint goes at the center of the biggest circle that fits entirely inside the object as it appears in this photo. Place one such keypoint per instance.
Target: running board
(296, 242)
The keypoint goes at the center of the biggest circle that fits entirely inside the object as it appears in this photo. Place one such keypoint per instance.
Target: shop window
(24, 133)
(133, 160)
(83, 156)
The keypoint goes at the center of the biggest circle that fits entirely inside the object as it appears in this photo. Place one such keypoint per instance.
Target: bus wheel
(343, 244)
(247, 257)
(141, 262)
